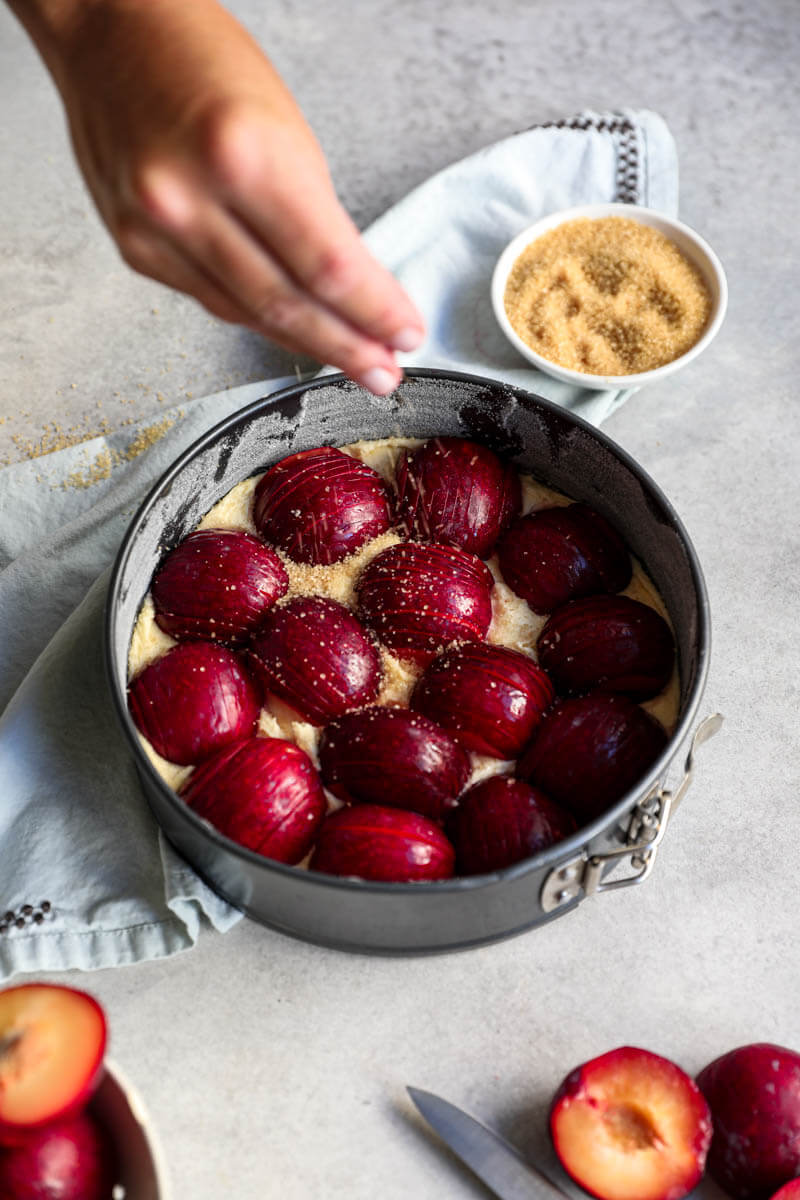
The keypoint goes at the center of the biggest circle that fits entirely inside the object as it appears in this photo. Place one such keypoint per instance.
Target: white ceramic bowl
(118, 1106)
(688, 242)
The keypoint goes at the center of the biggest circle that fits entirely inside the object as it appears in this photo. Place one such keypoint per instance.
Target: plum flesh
(631, 1125)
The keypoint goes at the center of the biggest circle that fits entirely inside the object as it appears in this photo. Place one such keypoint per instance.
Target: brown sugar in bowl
(609, 295)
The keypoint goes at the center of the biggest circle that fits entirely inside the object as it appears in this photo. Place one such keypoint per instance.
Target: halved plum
(321, 505)
(390, 756)
(557, 554)
(609, 642)
(316, 655)
(52, 1043)
(217, 584)
(631, 1125)
(491, 698)
(501, 821)
(458, 492)
(419, 598)
(263, 793)
(194, 700)
(587, 752)
(390, 845)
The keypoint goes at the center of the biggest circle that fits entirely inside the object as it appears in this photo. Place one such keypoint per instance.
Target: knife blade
(490, 1157)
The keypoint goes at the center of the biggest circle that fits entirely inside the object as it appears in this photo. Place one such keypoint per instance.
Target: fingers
(211, 181)
(152, 254)
(240, 268)
(284, 311)
(296, 214)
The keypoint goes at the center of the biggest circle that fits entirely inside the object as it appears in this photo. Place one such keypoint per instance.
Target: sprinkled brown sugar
(105, 461)
(606, 296)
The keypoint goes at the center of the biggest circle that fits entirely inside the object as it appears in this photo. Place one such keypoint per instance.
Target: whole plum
(754, 1096)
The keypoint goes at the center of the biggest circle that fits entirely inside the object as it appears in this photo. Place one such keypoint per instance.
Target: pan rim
(553, 855)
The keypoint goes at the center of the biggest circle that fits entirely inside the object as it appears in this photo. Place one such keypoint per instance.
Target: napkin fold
(86, 878)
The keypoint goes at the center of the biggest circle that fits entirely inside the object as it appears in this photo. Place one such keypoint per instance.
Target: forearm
(61, 29)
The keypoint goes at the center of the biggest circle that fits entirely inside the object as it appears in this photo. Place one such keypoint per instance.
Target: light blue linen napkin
(86, 879)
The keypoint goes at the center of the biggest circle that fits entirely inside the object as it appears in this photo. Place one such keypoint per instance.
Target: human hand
(210, 180)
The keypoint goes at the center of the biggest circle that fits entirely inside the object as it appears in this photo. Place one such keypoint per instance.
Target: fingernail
(406, 339)
(379, 380)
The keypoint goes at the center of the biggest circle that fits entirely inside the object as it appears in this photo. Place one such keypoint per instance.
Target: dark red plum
(218, 584)
(490, 698)
(754, 1096)
(316, 655)
(608, 642)
(457, 492)
(194, 700)
(66, 1160)
(502, 820)
(385, 755)
(320, 505)
(419, 598)
(587, 752)
(390, 845)
(263, 793)
(557, 554)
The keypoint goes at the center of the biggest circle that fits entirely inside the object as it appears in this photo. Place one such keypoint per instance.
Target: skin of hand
(210, 180)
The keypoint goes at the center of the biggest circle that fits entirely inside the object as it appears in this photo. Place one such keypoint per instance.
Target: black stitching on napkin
(623, 130)
(26, 914)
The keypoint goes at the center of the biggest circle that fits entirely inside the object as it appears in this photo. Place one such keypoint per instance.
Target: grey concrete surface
(274, 1069)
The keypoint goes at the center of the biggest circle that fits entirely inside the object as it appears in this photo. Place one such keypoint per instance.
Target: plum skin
(263, 793)
(391, 756)
(315, 655)
(320, 505)
(11, 1132)
(491, 698)
(789, 1191)
(67, 1160)
(609, 642)
(753, 1092)
(419, 597)
(217, 584)
(591, 1085)
(552, 555)
(588, 751)
(387, 845)
(500, 821)
(456, 491)
(193, 700)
